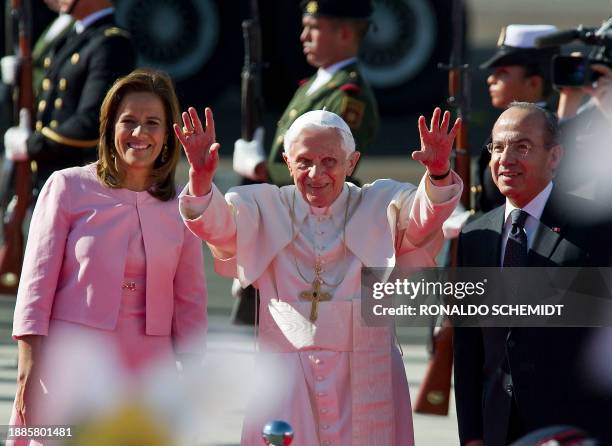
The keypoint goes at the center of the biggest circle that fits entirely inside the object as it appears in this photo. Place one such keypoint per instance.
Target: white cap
(524, 36)
(516, 46)
(322, 119)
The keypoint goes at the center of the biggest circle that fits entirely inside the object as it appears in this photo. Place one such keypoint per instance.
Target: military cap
(516, 46)
(346, 9)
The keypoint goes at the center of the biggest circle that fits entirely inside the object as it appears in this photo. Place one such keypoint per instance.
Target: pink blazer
(75, 259)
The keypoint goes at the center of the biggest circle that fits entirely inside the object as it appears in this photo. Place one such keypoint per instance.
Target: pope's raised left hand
(436, 143)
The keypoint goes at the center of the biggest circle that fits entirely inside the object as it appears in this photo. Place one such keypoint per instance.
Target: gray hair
(551, 123)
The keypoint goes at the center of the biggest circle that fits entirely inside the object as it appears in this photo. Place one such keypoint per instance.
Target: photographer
(585, 126)
(570, 98)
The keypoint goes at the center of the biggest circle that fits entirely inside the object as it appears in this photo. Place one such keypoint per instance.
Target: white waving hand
(201, 148)
(436, 143)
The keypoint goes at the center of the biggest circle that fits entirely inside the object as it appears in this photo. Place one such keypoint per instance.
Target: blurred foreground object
(277, 433)
(557, 436)
(130, 425)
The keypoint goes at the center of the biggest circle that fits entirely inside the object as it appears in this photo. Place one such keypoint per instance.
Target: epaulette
(114, 31)
(351, 88)
(352, 111)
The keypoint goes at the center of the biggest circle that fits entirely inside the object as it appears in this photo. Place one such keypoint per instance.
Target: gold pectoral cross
(315, 296)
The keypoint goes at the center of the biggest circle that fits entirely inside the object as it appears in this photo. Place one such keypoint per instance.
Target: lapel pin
(556, 229)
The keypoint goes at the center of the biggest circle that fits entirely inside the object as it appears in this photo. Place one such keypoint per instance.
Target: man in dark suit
(512, 381)
(79, 70)
(519, 71)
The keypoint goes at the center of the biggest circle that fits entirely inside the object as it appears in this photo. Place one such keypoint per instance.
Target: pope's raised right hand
(201, 148)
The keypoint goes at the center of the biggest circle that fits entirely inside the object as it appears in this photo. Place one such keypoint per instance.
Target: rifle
(434, 394)
(17, 176)
(251, 106)
(252, 98)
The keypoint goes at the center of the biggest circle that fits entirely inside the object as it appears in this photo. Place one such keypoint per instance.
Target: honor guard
(78, 72)
(52, 34)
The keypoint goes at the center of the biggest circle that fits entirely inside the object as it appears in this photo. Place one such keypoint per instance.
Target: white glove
(15, 138)
(455, 223)
(248, 154)
(8, 65)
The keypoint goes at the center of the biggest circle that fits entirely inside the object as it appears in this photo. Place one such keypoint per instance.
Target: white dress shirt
(325, 74)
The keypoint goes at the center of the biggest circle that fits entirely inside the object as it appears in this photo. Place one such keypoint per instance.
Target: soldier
(54, 33)
(79, 69)
(332, 33)
(45, 42)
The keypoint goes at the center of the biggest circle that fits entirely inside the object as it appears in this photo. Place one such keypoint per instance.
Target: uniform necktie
(516, 246)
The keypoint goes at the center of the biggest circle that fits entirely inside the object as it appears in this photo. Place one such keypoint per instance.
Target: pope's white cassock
(343, 382)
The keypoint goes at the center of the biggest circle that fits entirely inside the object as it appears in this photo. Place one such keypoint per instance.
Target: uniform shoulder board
(351, 88)
(114, 31)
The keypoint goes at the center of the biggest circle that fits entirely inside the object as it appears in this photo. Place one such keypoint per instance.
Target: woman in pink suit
(108, 256)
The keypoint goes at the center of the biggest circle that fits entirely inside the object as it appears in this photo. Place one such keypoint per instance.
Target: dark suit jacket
(542, 368)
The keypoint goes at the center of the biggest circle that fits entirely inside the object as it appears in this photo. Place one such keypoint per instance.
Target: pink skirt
(82, 366)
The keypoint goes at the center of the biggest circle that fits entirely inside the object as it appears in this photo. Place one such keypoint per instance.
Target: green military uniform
(79, 70)
(346, 94)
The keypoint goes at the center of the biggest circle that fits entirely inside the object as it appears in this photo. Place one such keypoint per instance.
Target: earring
(164, 153)
(112, 154)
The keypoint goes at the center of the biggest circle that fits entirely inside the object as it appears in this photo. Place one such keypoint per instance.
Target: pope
(303, 247)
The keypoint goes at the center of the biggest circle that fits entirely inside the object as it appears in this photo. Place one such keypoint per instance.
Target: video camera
(575, 71)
